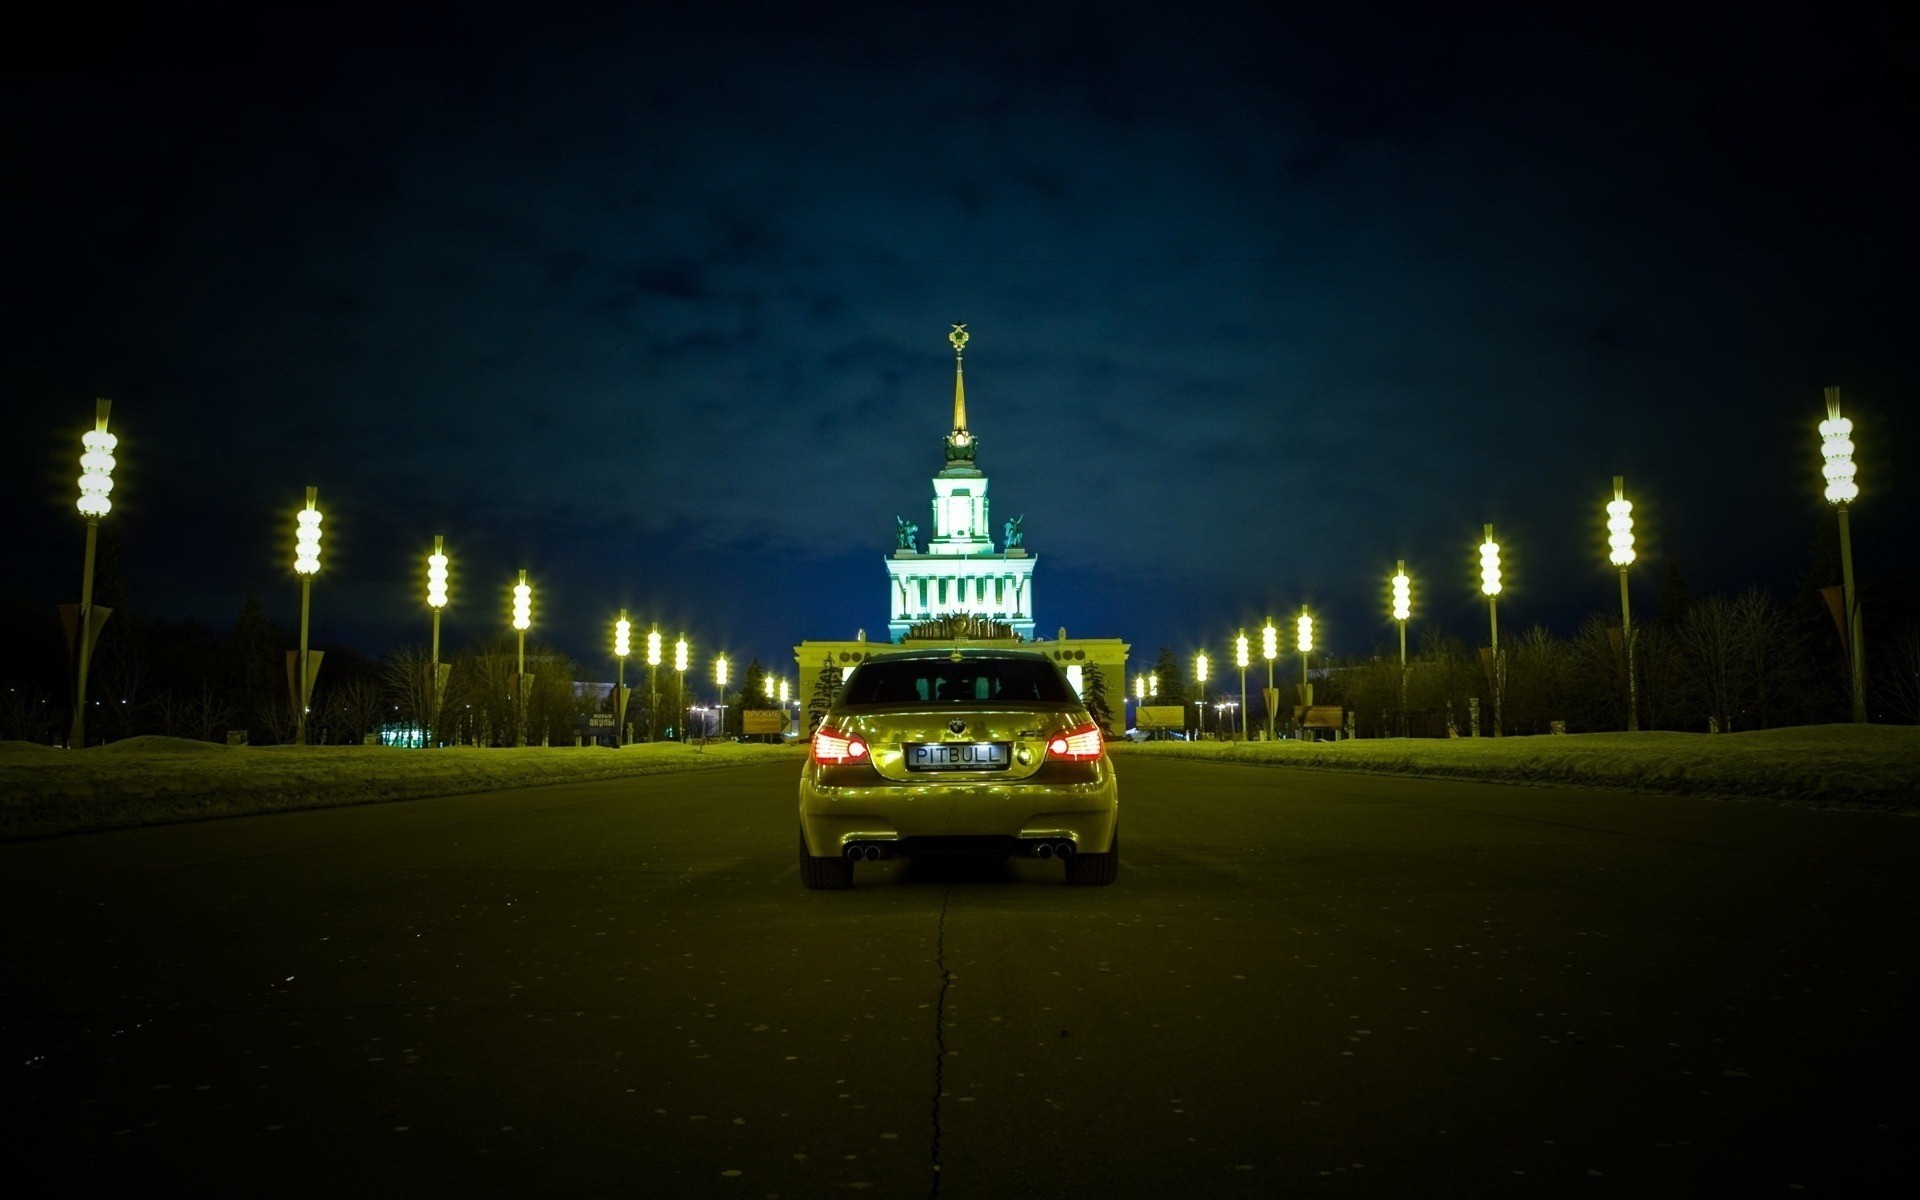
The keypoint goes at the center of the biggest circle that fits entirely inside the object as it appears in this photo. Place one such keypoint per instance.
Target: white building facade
(960, 570)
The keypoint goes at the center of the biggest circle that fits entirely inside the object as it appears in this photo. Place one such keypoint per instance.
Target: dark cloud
(1260, 301)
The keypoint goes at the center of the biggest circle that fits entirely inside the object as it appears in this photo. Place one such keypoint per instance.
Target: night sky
(656, 307)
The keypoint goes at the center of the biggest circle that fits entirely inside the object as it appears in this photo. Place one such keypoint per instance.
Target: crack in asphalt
(940, 1036)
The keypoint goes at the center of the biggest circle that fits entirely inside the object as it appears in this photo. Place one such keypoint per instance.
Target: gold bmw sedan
(944, 752)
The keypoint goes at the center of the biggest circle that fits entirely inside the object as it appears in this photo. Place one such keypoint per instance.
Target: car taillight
(1076, 745)
(831, 748)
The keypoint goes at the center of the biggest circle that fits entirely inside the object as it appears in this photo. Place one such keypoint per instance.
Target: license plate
(957, 756)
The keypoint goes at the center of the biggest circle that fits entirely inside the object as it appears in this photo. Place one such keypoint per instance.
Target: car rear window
(970, 681)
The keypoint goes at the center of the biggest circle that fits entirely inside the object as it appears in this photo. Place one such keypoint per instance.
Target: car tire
(822, 874)
(1096, 870)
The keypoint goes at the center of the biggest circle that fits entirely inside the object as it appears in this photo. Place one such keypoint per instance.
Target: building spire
(959, 339)
(961, 446)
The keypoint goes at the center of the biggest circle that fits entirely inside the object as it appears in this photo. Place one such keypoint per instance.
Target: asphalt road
(1302, 983)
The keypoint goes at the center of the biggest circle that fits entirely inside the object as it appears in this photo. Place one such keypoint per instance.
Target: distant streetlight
(1240, 660)
(622, 646)
(1620, 554)
(1303, 637)
(1139, 697)
(522, 621)
(436, 600)
(680, 692)
(653, 692)
(1269, 648)
(1402, 609)
(1836, 446)
(1490, 587)
(96, 480)
(796, 703)
(720, 681)
(306, 564)
(1200, 705)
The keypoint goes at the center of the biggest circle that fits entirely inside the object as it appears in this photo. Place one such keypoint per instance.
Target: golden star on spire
(959, 339)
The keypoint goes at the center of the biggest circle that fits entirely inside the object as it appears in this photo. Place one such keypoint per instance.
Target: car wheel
(1096, 870)
(819, 874)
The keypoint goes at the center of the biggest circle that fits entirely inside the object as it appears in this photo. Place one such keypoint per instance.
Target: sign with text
(1161, 716)
(763, 720)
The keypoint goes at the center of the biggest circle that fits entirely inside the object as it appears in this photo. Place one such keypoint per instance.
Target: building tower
(960, 572)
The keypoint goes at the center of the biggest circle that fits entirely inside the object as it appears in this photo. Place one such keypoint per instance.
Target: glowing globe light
(306, 541)
(1836, 446)
(436, 580)
(1490, 567)
(522, 604)
(766, 684)
(622, 638)
(1140, 687)
(1269, 642)
(1240, 651)
(1402, 596)
(96, 472)
(680, 654)
(783, 691)
(653, 648)
(720, 670)
(1620, 530)
(1200, 667)
(1304, 628)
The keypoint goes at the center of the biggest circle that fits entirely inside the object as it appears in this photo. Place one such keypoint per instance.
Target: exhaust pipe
(1045, 851)
(873, 853)
(854, 853)
(1063, 850)
(869, 851)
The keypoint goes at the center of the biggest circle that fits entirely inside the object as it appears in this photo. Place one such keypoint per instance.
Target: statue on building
(906, 534)
(1014, 536)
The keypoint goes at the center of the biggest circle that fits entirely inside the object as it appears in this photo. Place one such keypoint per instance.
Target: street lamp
(1269, 647)
(96, 480)
(680, 691)
(436, 600)
(1490, 587)
(1402, 609)
(622, 646)
(1240, 660)
(1836, 446)
(653, 693)
(1303, 637)
(306, 564)
(720, 680)
(1200, 675)
(1139, 697)
(783, 701)
(1620, 554)
(522, 620)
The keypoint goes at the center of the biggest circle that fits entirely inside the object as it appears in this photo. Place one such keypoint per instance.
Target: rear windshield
(943, 681)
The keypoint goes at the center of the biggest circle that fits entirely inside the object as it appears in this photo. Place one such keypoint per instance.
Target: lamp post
(622, 646)
(653, 693)
(96, 480)
(1200, 705)
(1836, 446)
(436, 600)
(522, 620)
(1139, 698)
(1402, 609)
(1303, 637)
(1240, 660)
(306, 563)
(680, 691)
(1490, 587)
(783, 700)
(1269, 648)
(720, 681)
(1620, 554)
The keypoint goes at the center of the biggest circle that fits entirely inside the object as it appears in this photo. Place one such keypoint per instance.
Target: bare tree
(211, 714)
(1713, 655)
(26, 714)
(1536, 681)
(352, 709)
(406, 675)
(1898, 680)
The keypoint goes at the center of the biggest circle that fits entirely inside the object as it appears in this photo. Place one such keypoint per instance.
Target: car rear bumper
(968, 817)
